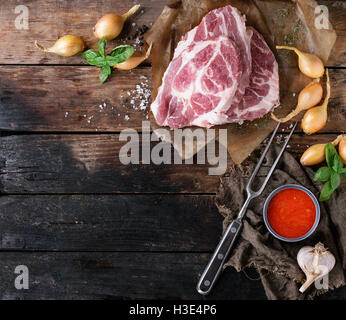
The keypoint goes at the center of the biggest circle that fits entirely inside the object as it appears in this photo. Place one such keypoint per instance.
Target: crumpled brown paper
(279, 21)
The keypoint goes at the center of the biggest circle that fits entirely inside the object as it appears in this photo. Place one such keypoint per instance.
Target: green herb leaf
(343, 172)
(326, 191)
(337, 163)
(330, 153)
(99, 62)
(335, 180)
(102, 46)
(122, 53)
(323, 174)
(90, 55)
(112, 61)
(105, 73)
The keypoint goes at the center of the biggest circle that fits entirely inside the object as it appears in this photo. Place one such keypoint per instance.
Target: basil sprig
(100, 59)
(331, 174)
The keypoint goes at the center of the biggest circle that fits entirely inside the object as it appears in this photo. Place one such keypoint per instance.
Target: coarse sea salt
(140, 95)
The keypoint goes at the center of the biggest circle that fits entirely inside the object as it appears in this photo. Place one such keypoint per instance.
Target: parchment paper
(280, 22)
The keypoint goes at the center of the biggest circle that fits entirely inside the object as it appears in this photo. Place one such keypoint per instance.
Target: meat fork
(214, 267)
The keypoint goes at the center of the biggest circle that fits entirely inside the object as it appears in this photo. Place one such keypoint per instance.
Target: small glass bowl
(313, 198)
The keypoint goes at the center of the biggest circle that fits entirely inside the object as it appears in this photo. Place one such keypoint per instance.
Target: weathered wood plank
(109, 223)
(90, 164)
(50, 19)
(69, 99)
(124, 276)
(46, 99)
(337, 11)
(118, 276)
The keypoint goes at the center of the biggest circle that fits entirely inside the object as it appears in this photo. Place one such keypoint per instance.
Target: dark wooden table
(85, 225)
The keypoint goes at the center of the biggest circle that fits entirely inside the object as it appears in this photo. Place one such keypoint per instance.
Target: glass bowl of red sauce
(291, 213)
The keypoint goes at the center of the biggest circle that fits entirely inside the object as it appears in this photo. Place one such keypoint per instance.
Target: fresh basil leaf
(102, 46)
(343, 172)
(334, 180)
(99, 62)
(323, 174)
(105, 73)
(326, 191)
(122, 53)
(112, 61)
(330, 153)
(337, 163)
(90, 55)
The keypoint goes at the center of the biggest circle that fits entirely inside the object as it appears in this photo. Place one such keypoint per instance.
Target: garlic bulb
(316, 262)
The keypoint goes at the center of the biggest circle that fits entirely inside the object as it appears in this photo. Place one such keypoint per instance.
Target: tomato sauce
(291, 213)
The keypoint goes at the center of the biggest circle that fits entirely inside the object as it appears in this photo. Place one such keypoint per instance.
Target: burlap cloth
(275, 260)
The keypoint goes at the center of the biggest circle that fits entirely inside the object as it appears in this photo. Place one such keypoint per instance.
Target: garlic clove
(315, 262)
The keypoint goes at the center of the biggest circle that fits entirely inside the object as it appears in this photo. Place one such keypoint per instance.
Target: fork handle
(217, 261)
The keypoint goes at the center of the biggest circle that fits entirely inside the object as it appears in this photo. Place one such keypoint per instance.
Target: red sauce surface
(291, 213)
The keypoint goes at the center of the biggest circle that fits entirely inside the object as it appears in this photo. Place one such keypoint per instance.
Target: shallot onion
(135, 60)
(66, 46)
(307, 98)
(316, 153)
(316, 118)
(110, 25)
(342, 149)
(309, 64)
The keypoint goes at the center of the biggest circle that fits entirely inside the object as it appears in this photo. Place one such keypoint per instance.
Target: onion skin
(309, 64)
(342, 149)
(313, 155)
(317, 152)
(316, 118)
(134, 61)
(111, 25)
(65, 46)
(307, 98)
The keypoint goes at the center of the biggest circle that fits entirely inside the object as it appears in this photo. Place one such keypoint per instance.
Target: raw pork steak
(221, 72)
(199, 85)
(263, 91)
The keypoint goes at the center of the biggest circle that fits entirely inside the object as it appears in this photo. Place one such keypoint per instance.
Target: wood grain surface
(90, 164)
(50, 19)
(70, 98)
(170, 223)
(87, 226)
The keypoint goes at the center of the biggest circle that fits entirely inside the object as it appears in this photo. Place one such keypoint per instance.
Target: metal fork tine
(214, 267)
(248, 188)
(276, 160)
